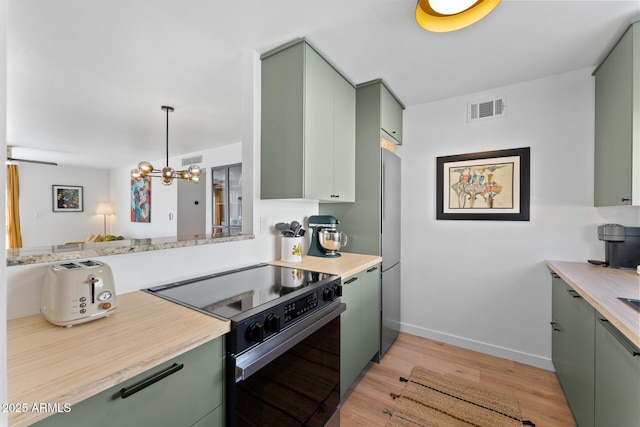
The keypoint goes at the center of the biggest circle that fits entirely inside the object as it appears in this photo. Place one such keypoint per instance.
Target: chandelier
(146, 169)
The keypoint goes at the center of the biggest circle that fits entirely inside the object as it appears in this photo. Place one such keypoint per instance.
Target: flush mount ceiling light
(146, 169)
(449, 15)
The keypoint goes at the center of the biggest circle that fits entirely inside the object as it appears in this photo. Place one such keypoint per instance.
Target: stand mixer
(326, 240)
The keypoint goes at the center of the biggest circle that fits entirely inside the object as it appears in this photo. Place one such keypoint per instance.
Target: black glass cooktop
(232, 293)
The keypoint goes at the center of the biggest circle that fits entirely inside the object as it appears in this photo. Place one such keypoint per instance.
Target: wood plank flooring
(537, 390)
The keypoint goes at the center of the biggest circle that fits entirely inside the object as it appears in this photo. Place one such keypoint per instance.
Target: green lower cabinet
(573, 349)
(359, 324)
(617, 382)
(188, 391)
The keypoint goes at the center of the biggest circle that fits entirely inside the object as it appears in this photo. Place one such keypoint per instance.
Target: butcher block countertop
(57, 365)
(344, 266)
(601, 287)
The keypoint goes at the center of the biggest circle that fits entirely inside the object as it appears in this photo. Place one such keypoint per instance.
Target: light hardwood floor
(537, 390)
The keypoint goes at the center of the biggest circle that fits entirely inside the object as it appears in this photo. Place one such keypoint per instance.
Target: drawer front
(617, 378)
(177, 393)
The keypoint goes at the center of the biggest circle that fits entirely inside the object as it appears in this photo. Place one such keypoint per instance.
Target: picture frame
(141, 200)
(487, 185)
(67, 198)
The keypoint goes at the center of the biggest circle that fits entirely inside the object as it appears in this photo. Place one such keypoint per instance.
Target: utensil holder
(291, 249)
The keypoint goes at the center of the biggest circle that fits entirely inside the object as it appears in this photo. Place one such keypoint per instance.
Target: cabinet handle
(142, 384)
(554, 326)
(372, 269)
(573, 293)
(353, 279)
(555, 275)
(618, 336)
(624, 199)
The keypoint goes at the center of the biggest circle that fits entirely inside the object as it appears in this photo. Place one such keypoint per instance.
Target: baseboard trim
(469, 344)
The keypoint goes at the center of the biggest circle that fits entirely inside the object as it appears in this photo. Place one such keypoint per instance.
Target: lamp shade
(104, 208)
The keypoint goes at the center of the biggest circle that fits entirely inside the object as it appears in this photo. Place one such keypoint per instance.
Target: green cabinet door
(359, 324)
(350, 334)
(282, 124)
(617, 127)
(344, 141)
(319, 126)
(192, 388)
(573, 349)
(617, 384)
(371, 313)
(390, 114)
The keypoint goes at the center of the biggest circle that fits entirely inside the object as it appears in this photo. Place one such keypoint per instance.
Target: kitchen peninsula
(65, 366)
(69, 252)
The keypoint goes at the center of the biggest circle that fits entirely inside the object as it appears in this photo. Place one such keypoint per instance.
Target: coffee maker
(622, 245)
(326, 240)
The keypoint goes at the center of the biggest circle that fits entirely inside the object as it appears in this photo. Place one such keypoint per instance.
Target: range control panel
(254, 329)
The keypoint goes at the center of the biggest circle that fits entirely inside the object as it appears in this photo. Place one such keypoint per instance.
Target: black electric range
(260, 300)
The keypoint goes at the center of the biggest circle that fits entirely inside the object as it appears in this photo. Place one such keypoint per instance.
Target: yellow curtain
(13, 207)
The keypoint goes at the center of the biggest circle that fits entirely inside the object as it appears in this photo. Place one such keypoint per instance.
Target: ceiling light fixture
(146, 169)
(449, 15)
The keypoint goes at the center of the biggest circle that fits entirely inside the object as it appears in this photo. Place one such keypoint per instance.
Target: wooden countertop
(601, 287)
(56, 365)
(344, 266)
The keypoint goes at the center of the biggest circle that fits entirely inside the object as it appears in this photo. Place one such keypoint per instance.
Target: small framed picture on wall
(67, 198)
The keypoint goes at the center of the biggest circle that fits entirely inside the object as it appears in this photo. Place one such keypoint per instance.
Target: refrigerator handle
(382, 193)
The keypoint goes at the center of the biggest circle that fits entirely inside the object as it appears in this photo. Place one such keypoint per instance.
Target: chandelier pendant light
(449, 15)
(167, 173)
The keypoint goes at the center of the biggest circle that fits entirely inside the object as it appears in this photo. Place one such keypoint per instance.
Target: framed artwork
(490, 185)
(67, 198)
(141, 200)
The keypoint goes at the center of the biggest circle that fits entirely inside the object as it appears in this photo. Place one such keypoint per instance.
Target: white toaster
(77, 291)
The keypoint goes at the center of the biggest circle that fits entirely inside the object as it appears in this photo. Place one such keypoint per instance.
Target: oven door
(292, 379)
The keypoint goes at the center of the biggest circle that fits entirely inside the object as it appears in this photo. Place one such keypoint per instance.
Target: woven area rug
(436, 400)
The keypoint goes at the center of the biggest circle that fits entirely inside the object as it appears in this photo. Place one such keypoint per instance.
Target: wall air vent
(490, 109)
(188, 161)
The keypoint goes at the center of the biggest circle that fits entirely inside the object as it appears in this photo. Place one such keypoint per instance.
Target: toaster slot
(93, 280)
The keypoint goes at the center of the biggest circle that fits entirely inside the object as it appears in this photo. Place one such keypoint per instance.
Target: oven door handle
(253, 360)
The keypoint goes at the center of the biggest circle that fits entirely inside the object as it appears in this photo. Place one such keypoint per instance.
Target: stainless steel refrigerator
(390, 249)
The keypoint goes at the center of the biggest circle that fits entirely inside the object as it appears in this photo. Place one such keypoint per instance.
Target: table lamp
(104, 209)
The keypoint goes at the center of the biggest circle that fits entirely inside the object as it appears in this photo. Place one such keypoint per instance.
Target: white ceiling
(86, 78)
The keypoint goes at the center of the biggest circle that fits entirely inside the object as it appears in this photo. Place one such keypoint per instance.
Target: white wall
(483, 284)
(41, 226)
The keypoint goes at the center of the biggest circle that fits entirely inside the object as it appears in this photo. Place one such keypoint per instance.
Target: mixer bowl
(332, 241)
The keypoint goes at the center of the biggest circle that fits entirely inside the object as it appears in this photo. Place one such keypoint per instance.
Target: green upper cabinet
(617, 127)
(308, 127)
(390, 114)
